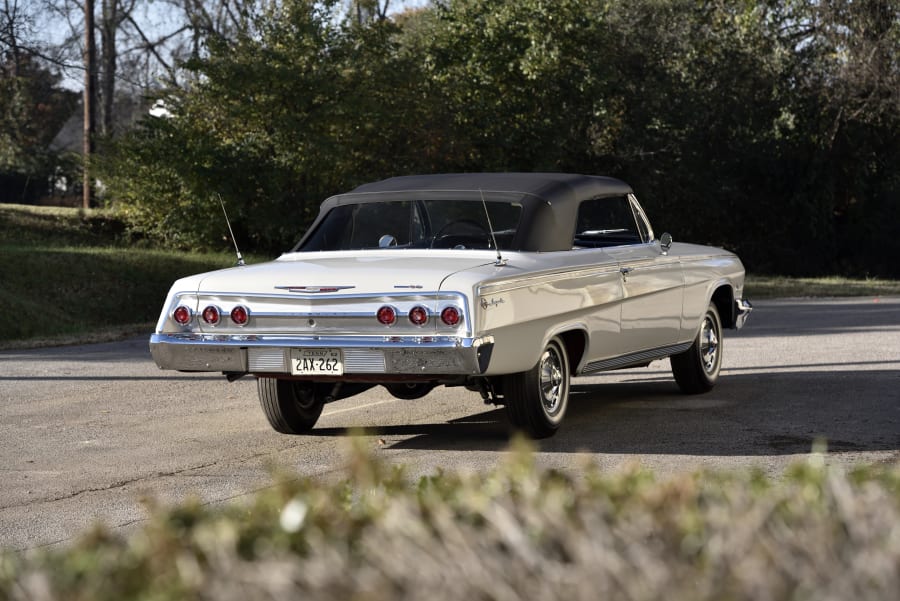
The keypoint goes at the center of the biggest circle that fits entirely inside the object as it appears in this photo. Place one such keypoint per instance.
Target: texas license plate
(317, 362)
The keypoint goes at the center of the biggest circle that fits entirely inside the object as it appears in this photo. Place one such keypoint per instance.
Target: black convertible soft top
(549, 186)
(549, 200)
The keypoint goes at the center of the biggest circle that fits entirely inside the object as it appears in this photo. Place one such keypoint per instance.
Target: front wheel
(536, 400)
(291, 407)
(697, 369)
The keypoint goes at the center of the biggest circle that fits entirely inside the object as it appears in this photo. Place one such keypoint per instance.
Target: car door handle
(625, 271)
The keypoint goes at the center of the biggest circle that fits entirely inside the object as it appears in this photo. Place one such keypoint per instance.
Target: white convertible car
(508, 284)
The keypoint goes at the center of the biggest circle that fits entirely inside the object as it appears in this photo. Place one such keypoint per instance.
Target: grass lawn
(758, 287)
(68, 275)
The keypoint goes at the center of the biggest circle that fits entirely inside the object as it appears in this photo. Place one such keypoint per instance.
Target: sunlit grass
(758, 287)
(68, 275)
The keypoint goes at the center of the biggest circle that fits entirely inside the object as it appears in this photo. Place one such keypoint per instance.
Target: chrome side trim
(547, 277)
(423, 295)
(635, 358)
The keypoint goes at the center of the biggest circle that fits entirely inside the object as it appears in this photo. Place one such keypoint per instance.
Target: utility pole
(90, 87)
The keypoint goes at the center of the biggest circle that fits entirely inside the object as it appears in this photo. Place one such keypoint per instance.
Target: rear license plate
(317, 362)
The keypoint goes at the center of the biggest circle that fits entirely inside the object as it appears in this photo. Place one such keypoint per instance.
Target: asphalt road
(87, 432)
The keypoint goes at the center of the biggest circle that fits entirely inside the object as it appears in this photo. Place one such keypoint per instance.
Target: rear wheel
(536, 400)
(697, 369)
(410, 390)
(291, 407)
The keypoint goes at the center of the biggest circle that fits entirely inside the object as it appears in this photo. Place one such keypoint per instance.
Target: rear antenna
(240, 258)
(500, 260)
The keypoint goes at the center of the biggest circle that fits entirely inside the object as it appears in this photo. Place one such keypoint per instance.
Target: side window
(606, 221)
(641, 218)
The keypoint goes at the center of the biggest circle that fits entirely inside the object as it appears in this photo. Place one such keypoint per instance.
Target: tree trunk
(90, 92)
(109, 55)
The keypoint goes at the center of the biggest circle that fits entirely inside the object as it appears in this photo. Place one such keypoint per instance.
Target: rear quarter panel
(525, 303)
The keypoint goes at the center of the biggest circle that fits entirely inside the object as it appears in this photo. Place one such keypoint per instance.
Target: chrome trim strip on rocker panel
(635, 358)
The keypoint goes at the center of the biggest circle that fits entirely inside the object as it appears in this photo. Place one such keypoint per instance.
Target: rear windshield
(416, 224)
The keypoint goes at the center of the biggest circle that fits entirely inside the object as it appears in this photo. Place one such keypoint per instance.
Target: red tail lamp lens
(418, 315)
(450, 316)
(386, 315)
(211, 315)
(182, 315)
(240, 315)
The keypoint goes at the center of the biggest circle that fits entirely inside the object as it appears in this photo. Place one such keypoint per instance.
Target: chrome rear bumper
(270, 355)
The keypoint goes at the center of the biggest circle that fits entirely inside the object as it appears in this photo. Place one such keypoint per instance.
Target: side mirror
(387, 241)
(665, 242)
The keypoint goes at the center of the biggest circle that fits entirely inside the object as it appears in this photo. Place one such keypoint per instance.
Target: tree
(32, 109)
(292, 109)
(770, 128)
(89, 96)
(33, 106)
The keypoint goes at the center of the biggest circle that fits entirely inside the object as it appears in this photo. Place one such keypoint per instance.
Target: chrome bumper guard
(742, 309)
(419, 355)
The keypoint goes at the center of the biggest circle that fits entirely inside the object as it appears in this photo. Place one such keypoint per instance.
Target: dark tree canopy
(770, 128)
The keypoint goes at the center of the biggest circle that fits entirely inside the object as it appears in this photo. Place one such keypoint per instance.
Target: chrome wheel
(709, 345)
(536, 399)
(553, 385)
(697, 369)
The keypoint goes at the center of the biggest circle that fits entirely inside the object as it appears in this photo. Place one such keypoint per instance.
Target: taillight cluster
(418, 315)
(211, 315)
(182, 315)
(451, 316)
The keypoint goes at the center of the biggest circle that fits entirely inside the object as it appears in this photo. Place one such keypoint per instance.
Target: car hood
(345, 272)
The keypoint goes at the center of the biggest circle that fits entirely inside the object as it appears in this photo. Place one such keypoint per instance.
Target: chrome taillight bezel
(451, 310)
(182, 309)
(237, 310)
(386, 310)
(207, 315)
(423, 312)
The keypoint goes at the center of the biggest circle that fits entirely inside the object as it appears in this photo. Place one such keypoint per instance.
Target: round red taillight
(181, 315)
(387, 315)
(240, 315)
(451, 316)
(211, 315)
(418, 315)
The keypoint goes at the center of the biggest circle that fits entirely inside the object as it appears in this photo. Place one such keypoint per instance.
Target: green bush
(515, 532)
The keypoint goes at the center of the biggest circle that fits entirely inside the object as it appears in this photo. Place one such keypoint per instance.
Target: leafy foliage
(770, 128)
(33, 107)
(515, 532)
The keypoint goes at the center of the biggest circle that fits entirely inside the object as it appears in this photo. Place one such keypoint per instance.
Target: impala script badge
(486, 304)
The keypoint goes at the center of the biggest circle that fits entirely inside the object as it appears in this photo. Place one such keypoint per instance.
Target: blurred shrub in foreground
(516, 532)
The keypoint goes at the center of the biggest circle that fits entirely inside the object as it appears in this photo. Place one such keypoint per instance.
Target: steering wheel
(476, 232)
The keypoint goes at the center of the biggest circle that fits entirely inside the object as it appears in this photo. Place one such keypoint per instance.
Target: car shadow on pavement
(486, 431)
(747, 414)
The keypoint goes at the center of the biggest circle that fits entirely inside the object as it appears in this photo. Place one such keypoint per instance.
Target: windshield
(416, 224)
